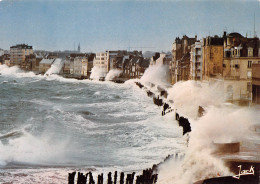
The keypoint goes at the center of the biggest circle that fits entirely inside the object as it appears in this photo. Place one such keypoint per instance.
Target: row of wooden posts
(183, 122)
(147, 177)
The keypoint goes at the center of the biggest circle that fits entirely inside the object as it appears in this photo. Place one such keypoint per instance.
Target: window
(249, 74)
(249, 64)
(250, 52)
(249, 87)
(224, 65)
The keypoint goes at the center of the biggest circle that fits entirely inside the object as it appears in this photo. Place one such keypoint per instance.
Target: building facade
(212, 50)
(196, 61)
(18, 54)
(45, 65)
(240, 54)
(101, 61)
(256, 83)
(180, 65)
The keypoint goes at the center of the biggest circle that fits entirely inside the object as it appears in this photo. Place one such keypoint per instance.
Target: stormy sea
(50, 126)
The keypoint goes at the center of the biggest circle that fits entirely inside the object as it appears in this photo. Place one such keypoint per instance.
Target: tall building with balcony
(18, 54)
(196, 61)
(101, 62)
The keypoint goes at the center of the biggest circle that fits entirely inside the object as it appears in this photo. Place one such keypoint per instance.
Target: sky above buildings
(119, 24)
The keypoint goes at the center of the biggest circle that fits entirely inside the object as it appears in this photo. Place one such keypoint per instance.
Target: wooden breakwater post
(100, 178)
(184, 123)
(147, 177)
(115, 177)
(139, 85)
(71, 177)
(122, 175)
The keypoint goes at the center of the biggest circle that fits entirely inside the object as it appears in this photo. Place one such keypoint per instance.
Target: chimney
(225, 34)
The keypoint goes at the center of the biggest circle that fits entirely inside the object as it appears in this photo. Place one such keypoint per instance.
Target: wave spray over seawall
(221, 123)
(112, 74)
(97, 73)
(55, 67)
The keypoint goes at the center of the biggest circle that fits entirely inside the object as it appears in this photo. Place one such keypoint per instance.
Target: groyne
(147, 177)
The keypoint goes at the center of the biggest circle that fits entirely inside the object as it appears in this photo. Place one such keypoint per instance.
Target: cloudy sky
(118, 24)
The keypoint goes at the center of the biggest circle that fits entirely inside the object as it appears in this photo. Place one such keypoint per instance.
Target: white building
(2, 52)
(101, 61)
(77, 65)
(85, 67)
(196, 61)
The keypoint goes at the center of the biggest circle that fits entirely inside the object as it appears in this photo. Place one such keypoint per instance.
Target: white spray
(55, 67)
(221, 123)
(97, 73)
(156, 74)
(112, 74)
(15, 71)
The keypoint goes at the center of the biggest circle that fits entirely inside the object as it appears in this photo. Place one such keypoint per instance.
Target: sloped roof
(134, 59)
(47, 61)
(58, 61)
(235, 34)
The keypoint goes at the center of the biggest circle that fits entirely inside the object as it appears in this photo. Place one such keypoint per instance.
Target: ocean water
(50, 126)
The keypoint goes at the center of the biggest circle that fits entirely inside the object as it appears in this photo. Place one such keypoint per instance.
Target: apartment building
(196, 61)
(18, 53)
(240, 54)
(101, 61)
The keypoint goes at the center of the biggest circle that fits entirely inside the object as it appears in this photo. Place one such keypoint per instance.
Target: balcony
(198, 53)
(232, 78)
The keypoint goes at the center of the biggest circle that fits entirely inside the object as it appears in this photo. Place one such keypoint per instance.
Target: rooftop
(21, 46)
(47, 61)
